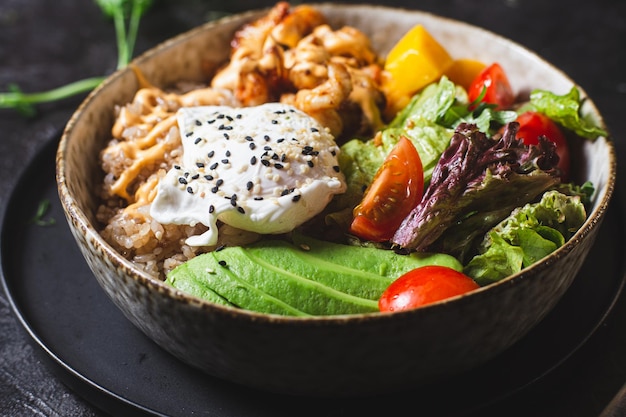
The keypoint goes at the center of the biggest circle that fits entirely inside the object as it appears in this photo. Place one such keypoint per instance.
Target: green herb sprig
(126, 15)
(39, 218)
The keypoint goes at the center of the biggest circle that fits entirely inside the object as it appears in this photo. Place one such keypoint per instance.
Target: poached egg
(264, 169)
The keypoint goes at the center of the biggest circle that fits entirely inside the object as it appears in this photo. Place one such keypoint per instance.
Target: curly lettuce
(566, 110)
(527, 235)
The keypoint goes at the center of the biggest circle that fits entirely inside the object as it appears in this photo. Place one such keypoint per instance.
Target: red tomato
(396, 189)
(423, 286)
(533, 124)
(498, 89)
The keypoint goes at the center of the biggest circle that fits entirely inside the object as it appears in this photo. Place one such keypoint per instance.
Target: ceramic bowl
(335, 355)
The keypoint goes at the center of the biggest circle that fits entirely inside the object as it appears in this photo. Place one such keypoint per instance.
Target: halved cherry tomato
(423, 286)
(497, 88)
(396, 189)
(533, 124)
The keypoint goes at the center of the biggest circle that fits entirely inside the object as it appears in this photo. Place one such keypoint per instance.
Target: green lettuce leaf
(501, 260)
(429, 138)
(526, 236)
(566, 110)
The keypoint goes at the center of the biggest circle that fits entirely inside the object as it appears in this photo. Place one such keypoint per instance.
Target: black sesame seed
(214, 166)
(266, 137)
(200, 164)
(253, 160)
(214, 190)
(220, 116)
(238, 116)
(283, 157)
(249, 185)
(189, 134)
(222, 127)
(274, 122)
(198, 123)
(224, 161)
(267, 148)
(310, 163)
(227, 153)
(219, 182)
(211, 121)
(190, 190)
(233, 200)
(198, 140)
(222, 263)
(258, 198)
(182, 180)
(209, 177)
(296, 198)
(241, 210)
(211, 208)
(195, 177)
(281, 140)
(278, 166)
(210, 154)
(186, 174)
(275, 157)
(249, 138)
(230, 119)
(226, 136)
(284, 192)
(314, 129)
(177, 166)
(265, 162)
(252, 145)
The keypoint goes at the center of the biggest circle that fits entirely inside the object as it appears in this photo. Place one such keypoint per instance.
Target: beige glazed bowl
(335, 355)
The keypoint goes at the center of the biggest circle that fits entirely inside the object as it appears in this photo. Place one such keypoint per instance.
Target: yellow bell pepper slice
(463, 71)
(414, 62)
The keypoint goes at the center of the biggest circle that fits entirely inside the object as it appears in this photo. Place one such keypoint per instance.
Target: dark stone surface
(47, 43)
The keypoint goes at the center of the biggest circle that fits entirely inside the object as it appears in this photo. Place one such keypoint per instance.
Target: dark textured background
(46, 43)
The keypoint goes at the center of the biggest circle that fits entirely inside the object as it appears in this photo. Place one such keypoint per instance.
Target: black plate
(105, 359)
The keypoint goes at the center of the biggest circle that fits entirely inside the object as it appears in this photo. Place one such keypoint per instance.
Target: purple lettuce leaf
(477, 182)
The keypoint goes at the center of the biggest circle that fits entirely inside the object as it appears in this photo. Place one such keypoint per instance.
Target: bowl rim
(73, 213)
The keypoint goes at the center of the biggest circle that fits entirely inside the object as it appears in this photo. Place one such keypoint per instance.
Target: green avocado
(300, 278)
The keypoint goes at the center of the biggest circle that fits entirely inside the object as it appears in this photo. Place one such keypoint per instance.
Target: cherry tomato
(396, 189)
(423, 286)
(533, 124)
(498, 89)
